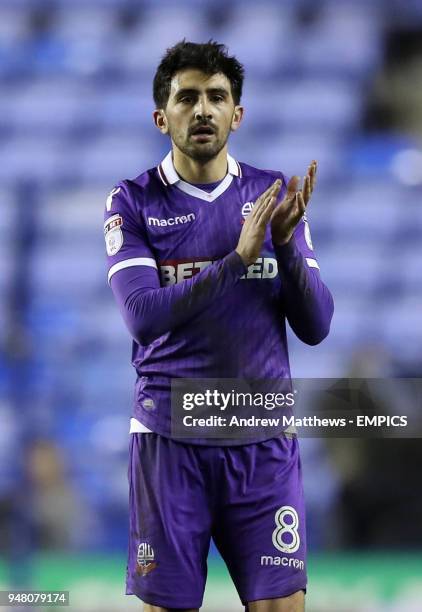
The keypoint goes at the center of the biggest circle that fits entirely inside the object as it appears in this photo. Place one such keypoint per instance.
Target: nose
(202, 110)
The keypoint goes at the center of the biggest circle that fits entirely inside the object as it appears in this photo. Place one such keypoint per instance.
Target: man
(207, 257)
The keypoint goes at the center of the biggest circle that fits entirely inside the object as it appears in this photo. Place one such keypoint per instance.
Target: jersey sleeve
(302, 236)
(302, 233)
(307, 301)
(125, 237)
(150, 311)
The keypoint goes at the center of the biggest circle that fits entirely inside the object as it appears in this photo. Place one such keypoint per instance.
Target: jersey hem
(153, 428)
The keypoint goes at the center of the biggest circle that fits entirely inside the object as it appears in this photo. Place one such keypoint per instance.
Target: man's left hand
(290, 210)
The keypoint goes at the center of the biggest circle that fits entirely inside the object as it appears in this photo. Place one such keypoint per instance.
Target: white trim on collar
(169, 176)
(168, 170)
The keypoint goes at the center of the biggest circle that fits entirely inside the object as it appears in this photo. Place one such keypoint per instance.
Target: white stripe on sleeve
(128, 263)
(312, 263)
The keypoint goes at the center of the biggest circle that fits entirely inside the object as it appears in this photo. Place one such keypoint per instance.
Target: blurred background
(335, 80)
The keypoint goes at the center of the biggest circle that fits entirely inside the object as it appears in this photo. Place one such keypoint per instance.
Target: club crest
(145, 559)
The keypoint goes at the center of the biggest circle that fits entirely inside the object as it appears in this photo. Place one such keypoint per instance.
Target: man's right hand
(253, 230)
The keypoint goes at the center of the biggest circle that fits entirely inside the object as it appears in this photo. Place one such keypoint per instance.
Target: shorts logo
(145, 559)
(286, 537)
(113, 234)
(292, 562)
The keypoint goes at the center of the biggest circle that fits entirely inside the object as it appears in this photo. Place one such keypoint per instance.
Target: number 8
(283, 527)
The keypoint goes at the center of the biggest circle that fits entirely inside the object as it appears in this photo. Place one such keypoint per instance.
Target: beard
(201, 152)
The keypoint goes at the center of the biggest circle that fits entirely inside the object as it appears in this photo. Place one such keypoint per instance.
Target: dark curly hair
(210, 58)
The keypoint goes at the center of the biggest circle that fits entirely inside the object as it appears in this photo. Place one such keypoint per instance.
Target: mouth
(202, 133)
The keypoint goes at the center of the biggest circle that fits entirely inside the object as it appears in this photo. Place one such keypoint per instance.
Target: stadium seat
(245, 30)
(344, 40)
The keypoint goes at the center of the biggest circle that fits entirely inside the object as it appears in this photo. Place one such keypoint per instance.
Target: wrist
(287, 251)
(243, 257)
(281, 240)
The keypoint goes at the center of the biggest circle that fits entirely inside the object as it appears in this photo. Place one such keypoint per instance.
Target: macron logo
(172, 220)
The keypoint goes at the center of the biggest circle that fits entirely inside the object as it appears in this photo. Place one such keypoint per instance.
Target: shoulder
(250, 172)
(132, 192)
(150, 179)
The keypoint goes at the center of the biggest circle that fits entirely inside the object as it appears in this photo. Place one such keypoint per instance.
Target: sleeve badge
(113, 234)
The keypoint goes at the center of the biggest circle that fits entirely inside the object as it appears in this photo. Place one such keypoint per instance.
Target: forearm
(307, 302)
(151, 311)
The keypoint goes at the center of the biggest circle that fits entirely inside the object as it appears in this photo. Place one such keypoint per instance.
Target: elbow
(141, 325)
(315, 336)
(318, 329)
(145, 334)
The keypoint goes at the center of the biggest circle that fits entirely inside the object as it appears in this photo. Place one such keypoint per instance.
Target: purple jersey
(192, 307)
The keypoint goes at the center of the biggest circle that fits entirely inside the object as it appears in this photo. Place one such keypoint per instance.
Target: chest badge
(247, 209)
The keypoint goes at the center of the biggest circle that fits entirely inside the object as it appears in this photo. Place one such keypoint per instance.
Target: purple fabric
(151, 311)
(307, 302)
(192, 308)
(207, 186)
(248, 498)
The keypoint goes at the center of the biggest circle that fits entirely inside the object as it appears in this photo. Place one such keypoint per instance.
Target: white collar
(169, 176)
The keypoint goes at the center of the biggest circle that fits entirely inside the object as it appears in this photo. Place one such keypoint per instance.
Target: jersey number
(291, 543)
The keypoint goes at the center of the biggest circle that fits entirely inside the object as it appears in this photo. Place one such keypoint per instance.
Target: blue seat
(344, 39)
(267, 27)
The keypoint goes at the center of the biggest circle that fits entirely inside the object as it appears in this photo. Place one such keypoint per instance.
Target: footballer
(207, 259)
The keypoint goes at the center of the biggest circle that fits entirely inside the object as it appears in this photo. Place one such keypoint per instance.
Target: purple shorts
(249, 499)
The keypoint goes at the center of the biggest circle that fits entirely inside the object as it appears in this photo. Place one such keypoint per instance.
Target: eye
(186, 100)
(217, 98)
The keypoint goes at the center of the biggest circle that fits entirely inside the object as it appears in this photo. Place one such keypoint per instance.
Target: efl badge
(113, 234)
(146, 559)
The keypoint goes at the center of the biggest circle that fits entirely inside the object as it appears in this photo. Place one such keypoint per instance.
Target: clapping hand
(291, 209)
(253, 230)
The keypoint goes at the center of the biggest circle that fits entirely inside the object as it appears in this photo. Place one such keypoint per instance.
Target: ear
(160, 120)
(237, 117)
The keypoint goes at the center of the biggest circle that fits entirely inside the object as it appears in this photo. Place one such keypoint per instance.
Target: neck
(193, 171)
